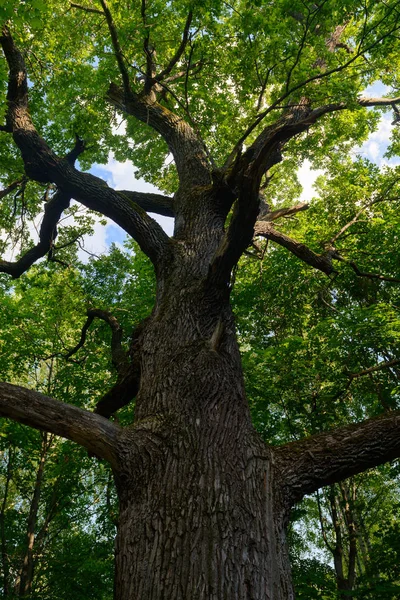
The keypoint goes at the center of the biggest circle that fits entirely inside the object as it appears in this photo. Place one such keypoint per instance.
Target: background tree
(237, 101)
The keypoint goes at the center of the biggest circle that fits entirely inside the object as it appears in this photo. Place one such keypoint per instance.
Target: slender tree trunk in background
(4, 552)
(26, 576)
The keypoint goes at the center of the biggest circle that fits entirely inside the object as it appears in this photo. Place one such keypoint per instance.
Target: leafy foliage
(314, 348)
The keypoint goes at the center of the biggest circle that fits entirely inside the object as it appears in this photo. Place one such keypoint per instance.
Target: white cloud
(372, 149)
(375, 147)
(376, 90)
(122, 177)
(307, 177)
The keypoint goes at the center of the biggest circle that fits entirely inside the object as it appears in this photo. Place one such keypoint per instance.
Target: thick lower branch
(334, 455)
(98, 435)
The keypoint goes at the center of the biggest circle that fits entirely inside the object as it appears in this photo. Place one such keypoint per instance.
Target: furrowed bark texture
(204, 503)
(200, 513)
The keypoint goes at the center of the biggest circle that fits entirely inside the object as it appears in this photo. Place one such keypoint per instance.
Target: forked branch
(42, 165)
(48, 232)
(117, 47)
(118, 355)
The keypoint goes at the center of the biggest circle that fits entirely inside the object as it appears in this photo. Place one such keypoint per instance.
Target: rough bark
(200, 512)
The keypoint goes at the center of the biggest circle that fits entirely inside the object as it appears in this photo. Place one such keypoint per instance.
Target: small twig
(380, 367)
(381, 198)
(360, 273)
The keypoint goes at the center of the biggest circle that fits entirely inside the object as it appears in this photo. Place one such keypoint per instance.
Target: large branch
(322, 262)
(245, 173)
(361, 51)
(187, 149)
(154, 203)
(47, 234)
(185, 145)
(42, 165)
(334, 455)
(98, 435)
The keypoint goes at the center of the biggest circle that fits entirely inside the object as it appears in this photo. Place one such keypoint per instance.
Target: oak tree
(237, 94)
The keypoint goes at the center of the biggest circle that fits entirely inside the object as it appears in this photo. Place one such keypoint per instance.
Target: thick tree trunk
(201, 515)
